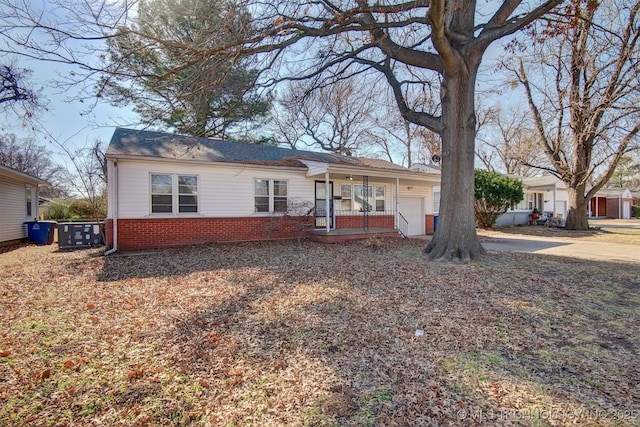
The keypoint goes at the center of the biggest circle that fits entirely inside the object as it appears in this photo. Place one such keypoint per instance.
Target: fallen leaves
(365, 333)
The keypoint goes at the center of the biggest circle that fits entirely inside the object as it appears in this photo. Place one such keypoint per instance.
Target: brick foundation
(355, 221)
(155, 233)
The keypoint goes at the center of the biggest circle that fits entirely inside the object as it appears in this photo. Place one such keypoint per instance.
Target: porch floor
(344, 234)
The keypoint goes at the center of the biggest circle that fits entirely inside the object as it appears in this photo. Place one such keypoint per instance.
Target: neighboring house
(18, 203)
(171, 190)
(547, 194)
(611, 203)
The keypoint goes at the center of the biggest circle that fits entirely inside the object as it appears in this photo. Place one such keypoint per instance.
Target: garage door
(412, 208)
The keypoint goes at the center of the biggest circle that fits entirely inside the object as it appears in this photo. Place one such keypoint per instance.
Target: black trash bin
(41, 232)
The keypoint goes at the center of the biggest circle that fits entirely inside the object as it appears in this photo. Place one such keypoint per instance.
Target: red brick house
(171, 190)
(613, 202)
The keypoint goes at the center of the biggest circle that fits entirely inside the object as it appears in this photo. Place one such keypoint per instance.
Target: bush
(494, 194)
(635, 211)
(83, 208)
(70, 209)
(58, 210)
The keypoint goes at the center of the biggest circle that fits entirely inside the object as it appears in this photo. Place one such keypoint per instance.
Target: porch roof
(20, 176)
(355, 173)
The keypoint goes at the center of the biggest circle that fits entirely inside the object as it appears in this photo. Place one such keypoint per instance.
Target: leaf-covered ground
(359, 334)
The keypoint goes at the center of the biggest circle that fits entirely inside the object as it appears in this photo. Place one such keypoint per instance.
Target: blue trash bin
(41, 232)
(435, 222)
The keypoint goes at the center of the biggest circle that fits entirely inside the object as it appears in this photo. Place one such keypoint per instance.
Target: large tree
(421, 43)
(13, 88)
(508, 143)
(210, 96)
(582, 84)
(335, 118)
(27, 156)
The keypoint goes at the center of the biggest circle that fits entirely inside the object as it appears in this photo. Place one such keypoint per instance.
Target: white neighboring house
(171, 190)
(547, 194)
(18, 203)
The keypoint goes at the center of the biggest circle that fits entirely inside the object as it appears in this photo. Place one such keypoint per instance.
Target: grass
(316, 335)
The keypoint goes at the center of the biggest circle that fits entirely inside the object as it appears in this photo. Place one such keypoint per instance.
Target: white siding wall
(223, 190)
(13, 211)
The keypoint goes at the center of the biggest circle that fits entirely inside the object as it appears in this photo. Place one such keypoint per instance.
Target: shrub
(494, 194)
(58, 210)
(635, 211)
(86, 209)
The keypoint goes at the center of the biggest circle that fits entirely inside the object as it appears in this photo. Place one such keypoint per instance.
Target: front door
(321, 204)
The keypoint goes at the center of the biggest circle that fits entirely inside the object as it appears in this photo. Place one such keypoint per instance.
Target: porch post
(326, 201)
(396, 216)
(555, 214)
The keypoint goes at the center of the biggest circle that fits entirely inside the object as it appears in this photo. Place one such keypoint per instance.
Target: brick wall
(154, 233)
(613, 207)
(429, 224)
(355, 221)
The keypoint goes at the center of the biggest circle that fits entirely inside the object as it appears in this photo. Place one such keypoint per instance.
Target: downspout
(115, 209)
(620, 207)
(326, 201)
(397, 216)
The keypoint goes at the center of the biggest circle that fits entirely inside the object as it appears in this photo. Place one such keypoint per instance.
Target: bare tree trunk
(456, 237)
(577, 215)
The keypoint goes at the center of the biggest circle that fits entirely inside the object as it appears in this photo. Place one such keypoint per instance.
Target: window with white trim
(345, 197)
(436, 199)
(374, 199)
(379, 198)
(270, 195)
(171, 193)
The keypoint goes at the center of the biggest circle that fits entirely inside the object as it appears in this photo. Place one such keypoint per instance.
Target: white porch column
(397, 215)
(555, 214)
(326, 200)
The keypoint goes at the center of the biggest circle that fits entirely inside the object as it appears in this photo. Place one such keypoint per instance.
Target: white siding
(223, 190)
(13, 211)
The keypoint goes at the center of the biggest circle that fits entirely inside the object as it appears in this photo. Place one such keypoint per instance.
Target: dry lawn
(360, 334)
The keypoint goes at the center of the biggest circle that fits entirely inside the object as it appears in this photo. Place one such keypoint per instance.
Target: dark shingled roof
(129, 142)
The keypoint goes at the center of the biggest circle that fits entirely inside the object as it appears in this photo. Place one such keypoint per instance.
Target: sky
(71, 122)
(76, 124)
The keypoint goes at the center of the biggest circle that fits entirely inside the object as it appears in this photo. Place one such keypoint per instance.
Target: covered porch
(358, 202)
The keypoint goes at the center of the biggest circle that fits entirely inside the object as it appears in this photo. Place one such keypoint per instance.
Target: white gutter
(115, 209)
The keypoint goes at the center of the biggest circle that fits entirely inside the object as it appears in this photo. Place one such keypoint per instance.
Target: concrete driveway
(599, 251)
